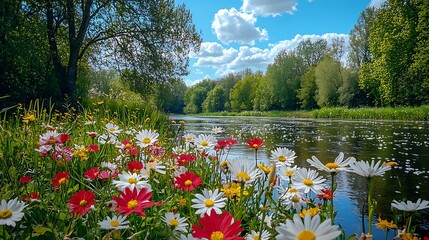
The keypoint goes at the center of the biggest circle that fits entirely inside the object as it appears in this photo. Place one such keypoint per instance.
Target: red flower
(135, 166)
(130, 148)
(92, 148)
(215, 227)
(60, 178)
(31, 197)
(64, 137)
(185, 158)
(134, 201)
(25, 179)
(81, 201)
(255, 143)
(325, 195)
(221, 144)
(231, 141)
(92, 173)
(188, 181)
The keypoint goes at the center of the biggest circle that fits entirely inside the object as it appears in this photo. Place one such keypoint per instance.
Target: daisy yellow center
(217, 236)
(209, 203)
(293, 190)
(295, 199)
(133, 204)
(306, 235)
(82, 202)
(332, 165)
(52, 140)
(307, 182)
(151, 165)
(114, 223)
(289, 173)
(256, 237)
(62, 180)
(255, 145)
(112, 129)
(243, 175)
(132, 180)
(5, 213)
(204, 143)
(146, 140)
(188, 183)
(282, 158)
(173, 222)
(128, 145)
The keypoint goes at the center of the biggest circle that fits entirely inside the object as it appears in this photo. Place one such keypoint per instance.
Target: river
(406, 143)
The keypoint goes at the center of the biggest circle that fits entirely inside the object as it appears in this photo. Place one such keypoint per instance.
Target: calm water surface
(404, 142)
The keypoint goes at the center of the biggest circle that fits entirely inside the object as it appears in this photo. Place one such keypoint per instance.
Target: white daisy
(107, 138)
(286, 172)
(116, 222)
(146, 138)
(409, 206)
(113, 129)
(189, 137)
(243, 170)
(366, 169)
(131, 180)
(253, 235)
(50, 138)
(282, 156)
(310, 228)
(308, 179)
(111, 166)
(291, 198)
(174, 220)
(205, 142)
(207, 201)
(11, 212)
(155, 166)
(217, 130)
(339, 164)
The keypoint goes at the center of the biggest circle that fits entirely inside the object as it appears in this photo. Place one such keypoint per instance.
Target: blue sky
(249, 33)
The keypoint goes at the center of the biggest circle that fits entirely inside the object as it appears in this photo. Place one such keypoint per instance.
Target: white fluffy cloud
(269, 8)
(234, 26)
(376, 3)
(234, 60)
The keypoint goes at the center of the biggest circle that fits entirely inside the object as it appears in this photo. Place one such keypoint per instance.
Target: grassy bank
(400, 113)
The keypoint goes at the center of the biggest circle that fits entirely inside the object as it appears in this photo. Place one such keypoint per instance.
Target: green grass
(389, 113)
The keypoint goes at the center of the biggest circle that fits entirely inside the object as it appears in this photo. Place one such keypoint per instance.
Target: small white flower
(207, 201)
(189, 137)
(116, 222)
(205, 142)
(217, 130)
(409, 206)
(291, 198)
(11, 212)
(174, 220)
(310, 228)
(286, 172)
(282, 156)
(243, 170)
(255, 235)
(146, 138)
(339, 164)
(113, 129)
(366, 169)
(308, 179)
(155, 166)
(131, 180)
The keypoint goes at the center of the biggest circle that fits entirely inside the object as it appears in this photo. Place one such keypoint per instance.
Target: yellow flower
(311, 211)
(391, 164)
(385, 225)
(408, 236)
(100, 103)
(28, 118)
(264, 168)
(233, 191)
(182, 202)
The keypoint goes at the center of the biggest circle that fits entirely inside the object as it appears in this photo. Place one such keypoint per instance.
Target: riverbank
(399, 113)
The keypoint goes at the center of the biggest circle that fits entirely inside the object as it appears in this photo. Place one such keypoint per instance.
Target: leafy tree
(392, 44)
(284, 77)
(229, 81)
(307, 91)
(215, 100)
(169, 97)
(263, 95)
(359, 39)
(195, 96)
(312, 51)
(152, 37)
(243, 93)
(328, 81)
(419, 69)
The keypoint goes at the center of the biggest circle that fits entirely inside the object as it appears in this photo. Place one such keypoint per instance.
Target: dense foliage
(387, 66)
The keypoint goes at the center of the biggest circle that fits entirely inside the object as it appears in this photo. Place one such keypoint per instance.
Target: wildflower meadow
(96, 173)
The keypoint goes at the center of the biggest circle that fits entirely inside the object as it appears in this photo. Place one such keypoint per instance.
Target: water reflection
(404, 142)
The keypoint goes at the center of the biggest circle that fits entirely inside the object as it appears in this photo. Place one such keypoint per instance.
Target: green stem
(331, 206)
(256, 157)
(370, 209)
(409, 223)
